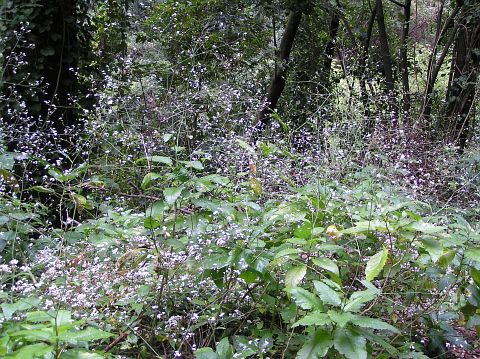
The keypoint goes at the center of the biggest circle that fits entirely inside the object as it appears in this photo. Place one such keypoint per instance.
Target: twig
(117, 340)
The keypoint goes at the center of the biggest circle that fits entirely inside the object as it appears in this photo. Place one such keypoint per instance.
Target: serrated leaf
(327, 294)
(358, 299)
(295, 275)
(304, 299)
(473, 254)
(326, 264)
(373, 323)
(350, 344)
(375, 264)
(172, 194)
(341, 318)
(205, 353)
(314, 318)
(317, 346)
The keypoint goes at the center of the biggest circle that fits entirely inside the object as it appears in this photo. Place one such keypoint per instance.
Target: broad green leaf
(42, 189)
(156, 159)
(446, 258)
(373, 323)
(473, 254)
(350, 344)
(245, 146)
(326, 264)
(63, 317)
(80, 354)
(375, 264)
(85, 335)
(303, 231)
(341, 318)
(224, 349)
(35, 335)
(327, 294)
(172, 194)
(149, 177)
(305, 299)
(358, 299)
(314, 318)
(249, 276)
(205, 353)
(317, 346)
(32, 351)
(38, 317)
(295, 275)
(475, 273)
(196, 165)
(433, 247)
(424, 227)
(286, 252)
(22, 304)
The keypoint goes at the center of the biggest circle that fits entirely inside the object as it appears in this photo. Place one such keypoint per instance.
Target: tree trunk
(363, 68)
(39, 112)
(404, 57)
(434, 66)
(277, 83)
(386, 60)
(465, 69)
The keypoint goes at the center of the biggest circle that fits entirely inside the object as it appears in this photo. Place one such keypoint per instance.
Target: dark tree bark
(404, 57)
(436, 62)
(386, 59)
(363, 66)
(40, 83)
(277, 83)
(465, 69)
(330, 47)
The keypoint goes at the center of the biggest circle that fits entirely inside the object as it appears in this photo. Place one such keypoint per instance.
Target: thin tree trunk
(386, 59)
(404, 57)
(363, 64)
(434, 66)
(277, 83)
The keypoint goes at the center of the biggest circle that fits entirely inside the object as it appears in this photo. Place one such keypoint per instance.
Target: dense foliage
(244, 179)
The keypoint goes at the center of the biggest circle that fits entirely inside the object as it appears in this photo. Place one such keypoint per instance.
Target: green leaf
(350, 344)
(305, 299)
(341, 318)
(86, 335)
(475, 273)
(22, 304)
(326, 264)
(196, 165)
(327, 294)
(38, 316)
(205, 353)
(80, 354)
(249, 276)
(433, 247)
(358, 299)
(256, 186)
(42, 189)
(424, 227)
(156, 159)
(172, 194)
(149, 177)
(473, 254)
(303, 231)
(373, 323)
(446, 258)
(295, 275)
(32, 351)
(63, 317)
(376, 263)
(317, 346)
(224, 349)
(314, 318)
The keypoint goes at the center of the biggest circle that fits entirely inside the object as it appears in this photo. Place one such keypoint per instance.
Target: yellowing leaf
(376, 263)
